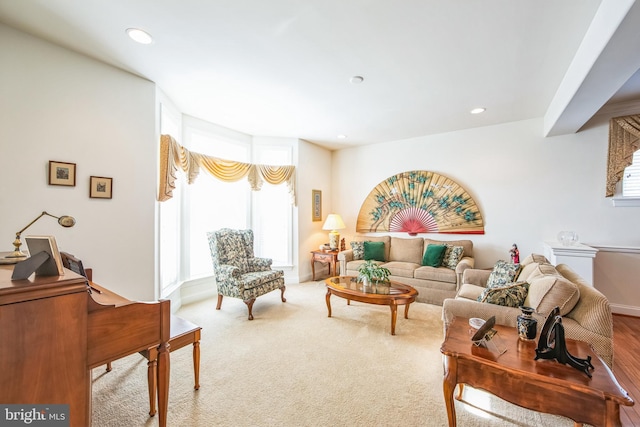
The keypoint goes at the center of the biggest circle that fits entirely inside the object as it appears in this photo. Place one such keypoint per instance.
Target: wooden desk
(324, 257)
(53, 332)
(541, 385)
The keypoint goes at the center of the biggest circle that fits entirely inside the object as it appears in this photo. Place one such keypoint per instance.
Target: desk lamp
(334, 223)
(64, 220)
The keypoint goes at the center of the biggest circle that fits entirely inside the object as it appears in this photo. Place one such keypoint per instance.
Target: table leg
(196, 362)
(313, 268)
(163, 384)
(448, 387)
(152, 375)
(328, 302)
(394, 315)
(406, 310)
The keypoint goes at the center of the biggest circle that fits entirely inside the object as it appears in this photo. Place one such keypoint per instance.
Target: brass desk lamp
(64, 220)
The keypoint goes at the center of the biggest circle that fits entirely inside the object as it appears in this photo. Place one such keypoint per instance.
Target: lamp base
(334, 240)
(16, 254)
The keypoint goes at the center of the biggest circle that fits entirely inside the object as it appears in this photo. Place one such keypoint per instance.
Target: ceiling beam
(606, 59)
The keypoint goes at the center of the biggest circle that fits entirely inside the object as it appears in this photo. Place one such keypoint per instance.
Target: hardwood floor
(626, 364)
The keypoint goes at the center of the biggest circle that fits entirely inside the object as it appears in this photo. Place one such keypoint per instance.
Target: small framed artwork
(62, 173)
(100, 187)
(316, 207)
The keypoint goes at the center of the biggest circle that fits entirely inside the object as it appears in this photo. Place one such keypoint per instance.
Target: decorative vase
(527, 325)
(365, 281)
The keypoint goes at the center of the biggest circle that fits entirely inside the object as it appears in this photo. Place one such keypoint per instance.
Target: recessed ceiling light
(139, 35)
(341, 136)
(356, 80)
(478, 110)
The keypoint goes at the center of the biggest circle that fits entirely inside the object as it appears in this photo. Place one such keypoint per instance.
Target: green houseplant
(370, 272)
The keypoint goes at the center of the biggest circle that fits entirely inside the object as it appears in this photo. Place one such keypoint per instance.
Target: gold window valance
(624, 140)
(174, 155)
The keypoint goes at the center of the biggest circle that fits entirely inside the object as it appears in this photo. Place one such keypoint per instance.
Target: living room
(61, 105)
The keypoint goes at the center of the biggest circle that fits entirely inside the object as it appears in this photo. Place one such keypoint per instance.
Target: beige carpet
(294, 366)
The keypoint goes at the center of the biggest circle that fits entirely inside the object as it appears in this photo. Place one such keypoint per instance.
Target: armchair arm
(464, 264)
(343, 258)
(226, 272)
(259, 264)
(476, 277)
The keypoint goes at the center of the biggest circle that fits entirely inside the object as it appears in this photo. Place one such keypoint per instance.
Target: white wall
(528, 187)
(314, 173)
(57, 105)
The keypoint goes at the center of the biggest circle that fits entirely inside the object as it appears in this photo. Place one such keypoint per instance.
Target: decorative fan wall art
(419, 202)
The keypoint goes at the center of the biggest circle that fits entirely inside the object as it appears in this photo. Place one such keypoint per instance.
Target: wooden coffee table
(541, 385)
(391, 294)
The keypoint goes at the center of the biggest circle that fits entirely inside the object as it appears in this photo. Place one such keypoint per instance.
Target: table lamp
(334, 223)
(64, 220)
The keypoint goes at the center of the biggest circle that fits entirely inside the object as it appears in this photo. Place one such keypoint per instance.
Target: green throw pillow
(510, 295)
(433, 255)
(374, 251)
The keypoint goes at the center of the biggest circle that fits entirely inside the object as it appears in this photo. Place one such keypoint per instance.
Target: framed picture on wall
(100, 187)
(62, 173)
(316, 207)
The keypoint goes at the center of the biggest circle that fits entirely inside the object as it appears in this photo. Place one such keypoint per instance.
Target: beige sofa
(403, 257)
(586, 314)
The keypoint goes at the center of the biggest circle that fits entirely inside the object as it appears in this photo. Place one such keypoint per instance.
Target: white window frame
(619, 199)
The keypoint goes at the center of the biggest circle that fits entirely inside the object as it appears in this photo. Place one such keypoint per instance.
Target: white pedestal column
(579, 257)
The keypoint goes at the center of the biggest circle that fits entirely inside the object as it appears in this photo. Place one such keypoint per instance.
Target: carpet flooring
(294, 366)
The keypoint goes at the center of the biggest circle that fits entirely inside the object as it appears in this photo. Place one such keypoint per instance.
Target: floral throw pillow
(510, 295)
(358, 250)
(452, 256)
(503, 272)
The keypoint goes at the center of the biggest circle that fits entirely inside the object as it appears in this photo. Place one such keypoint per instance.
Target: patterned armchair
(239, 274)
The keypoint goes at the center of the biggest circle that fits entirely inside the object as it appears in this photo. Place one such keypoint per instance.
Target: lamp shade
(333, 222)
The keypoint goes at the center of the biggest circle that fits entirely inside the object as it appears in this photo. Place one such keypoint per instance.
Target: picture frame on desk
(62, 173)
(100, 187)
(53, 265)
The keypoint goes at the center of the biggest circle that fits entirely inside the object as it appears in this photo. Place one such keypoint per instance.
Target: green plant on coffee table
(373, 272)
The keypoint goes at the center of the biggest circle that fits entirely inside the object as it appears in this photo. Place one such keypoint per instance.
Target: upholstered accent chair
(238, 272)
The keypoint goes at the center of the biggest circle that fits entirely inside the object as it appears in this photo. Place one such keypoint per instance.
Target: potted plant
(370, 272)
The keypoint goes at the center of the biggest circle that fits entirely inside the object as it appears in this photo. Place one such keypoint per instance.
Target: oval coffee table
(390, 293)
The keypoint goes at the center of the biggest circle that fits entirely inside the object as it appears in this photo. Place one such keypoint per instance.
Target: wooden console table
(53, 332)
(541, 385)
(324, 257)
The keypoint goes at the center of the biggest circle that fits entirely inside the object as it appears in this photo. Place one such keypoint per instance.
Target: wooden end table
(541, 385)
(392, 294)
(324, 257)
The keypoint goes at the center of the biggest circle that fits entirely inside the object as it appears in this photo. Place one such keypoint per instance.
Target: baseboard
(625, 309)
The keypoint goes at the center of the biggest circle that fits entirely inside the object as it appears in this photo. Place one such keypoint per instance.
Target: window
(169, 214)
(628, 189)
(211, 203)
(273, 211)
(631, 178)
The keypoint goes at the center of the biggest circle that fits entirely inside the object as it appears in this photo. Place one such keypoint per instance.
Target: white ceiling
(283, 67)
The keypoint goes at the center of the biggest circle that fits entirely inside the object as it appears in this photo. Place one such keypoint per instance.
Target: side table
(324, 257)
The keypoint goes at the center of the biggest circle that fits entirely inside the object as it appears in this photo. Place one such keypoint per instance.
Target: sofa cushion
(540, 259)
(400, 268)
(374, 251)
(541, 270)
(433, 255)
(468, 291)
(504, 272)
(549, 291)
(509, 295)
(437, 274)
(408, 250)
(452, 256)
(358, 250)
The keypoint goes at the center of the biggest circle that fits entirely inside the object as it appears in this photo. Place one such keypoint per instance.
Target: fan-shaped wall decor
(419, 202)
